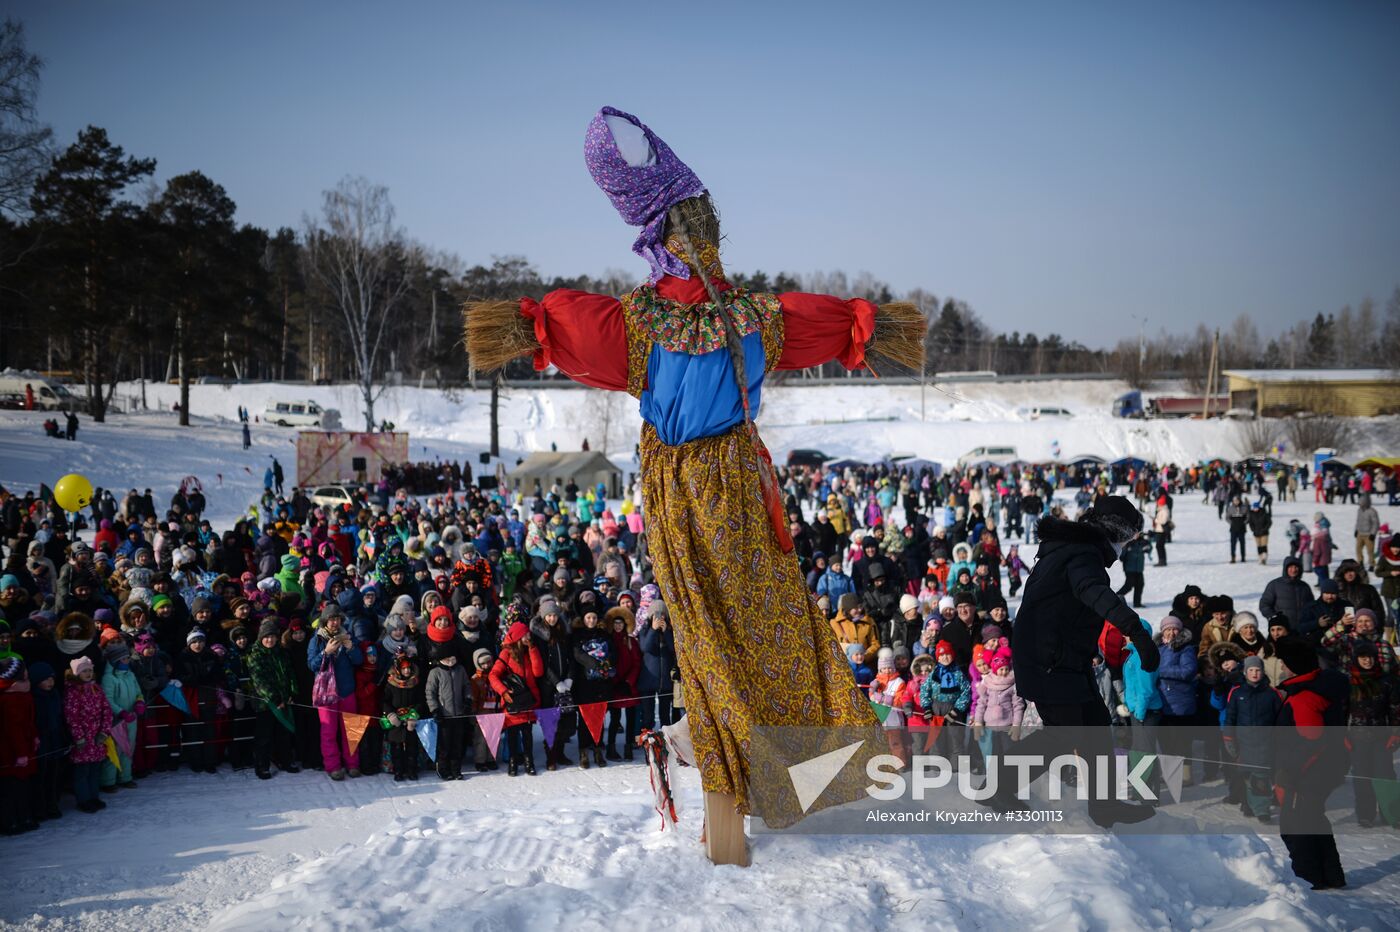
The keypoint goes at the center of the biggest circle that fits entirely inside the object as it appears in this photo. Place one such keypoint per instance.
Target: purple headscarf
(644, 193)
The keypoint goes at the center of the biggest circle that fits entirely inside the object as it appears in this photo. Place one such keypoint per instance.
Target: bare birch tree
(358, 256)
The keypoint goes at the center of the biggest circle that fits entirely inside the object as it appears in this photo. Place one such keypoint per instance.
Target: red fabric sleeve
(582, 335)
(818, 328)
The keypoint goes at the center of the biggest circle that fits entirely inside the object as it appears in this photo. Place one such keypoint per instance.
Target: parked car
(333, 496)
(999, 456)
(806, 457)
(1036, 412)
(301, 414)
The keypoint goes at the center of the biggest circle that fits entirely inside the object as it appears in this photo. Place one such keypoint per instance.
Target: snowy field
(581, 849)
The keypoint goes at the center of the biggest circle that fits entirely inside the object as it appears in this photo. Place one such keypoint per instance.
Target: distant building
(551, 468)
(1344, 392)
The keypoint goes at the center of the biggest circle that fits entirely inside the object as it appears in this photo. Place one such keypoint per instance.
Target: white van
(997, 455)
(301, 414)
(49, 395)
(1036, 412)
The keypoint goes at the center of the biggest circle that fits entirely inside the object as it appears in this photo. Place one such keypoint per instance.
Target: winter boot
(513, 768)
(337, 774)
(530, 765)
(583, 758)
(263, 774)
(598, 757)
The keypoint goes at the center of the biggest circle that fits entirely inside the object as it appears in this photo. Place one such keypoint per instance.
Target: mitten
(139, 708)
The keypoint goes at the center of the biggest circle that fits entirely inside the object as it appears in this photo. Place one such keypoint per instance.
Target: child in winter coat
(484, 702)
(369, 700)
(887, 689)
(19, 741)
(88, 716)
(1250, 707)
(449, 697)
(160, 724)
(403, 706)
(855, 655)
(1142, 700)
(124, 695)
(945, 695)
(1015, 567)
(911, 703)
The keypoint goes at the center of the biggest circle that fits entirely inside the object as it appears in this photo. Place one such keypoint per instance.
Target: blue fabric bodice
(689, 397)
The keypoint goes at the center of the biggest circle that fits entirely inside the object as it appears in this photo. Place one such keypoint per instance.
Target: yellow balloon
(73, 492)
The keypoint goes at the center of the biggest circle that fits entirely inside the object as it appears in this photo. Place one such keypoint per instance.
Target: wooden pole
(725, 842)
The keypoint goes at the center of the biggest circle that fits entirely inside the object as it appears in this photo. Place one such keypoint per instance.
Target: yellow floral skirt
(752, 646)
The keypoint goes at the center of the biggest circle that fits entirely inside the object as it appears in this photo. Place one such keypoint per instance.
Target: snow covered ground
(582, 849)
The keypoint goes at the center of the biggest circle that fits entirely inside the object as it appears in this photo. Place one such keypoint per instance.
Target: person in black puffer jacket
(1068, 596)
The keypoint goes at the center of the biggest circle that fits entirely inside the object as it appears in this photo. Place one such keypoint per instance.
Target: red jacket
(628, 651)
(89, 719)
(19, 739)
(1113, 646)
(529, 670)
(368, 690)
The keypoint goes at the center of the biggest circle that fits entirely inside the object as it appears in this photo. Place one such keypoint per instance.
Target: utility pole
(1211, 383)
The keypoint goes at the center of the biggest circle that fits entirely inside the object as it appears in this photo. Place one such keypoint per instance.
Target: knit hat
(116, 652)
(548, 606)
(964, 598)
(158, 600)
(143, 642)
(1116, 517)
(79, 664)
(517, 632)
(9, 581)
(876, 571)
(468, 613)
(852, 650)
(1252, 661)
(1000, 660)
(236, 633)
(844, 604)
(481, 659)
(991, 631)
(107, 636)
(39, 671)
(1171, 621)
(1367, 613)
(195, 635)
(332, 610)
(441, 650)
(1243, 620)
(561, 575)
(947, 602)
(1328, 585)
(1296, 654)
(907, 602)
(104, 618)
(943, 647)
(269, 628)
(440, 634)
(884, 660)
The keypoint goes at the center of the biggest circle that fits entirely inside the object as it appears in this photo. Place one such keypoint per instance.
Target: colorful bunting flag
(355, 726)
(284, 717)
(882, 711)
(428, 736)
(549, 723)
(593, 714)
(121, 736)
(172, 694)
(112, 753)
(1173, 769)
(491, 726)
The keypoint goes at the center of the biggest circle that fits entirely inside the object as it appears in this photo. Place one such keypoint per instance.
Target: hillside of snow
(860, 420)
(581, 849)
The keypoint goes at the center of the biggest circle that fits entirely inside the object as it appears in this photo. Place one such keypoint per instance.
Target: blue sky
(1059, 166)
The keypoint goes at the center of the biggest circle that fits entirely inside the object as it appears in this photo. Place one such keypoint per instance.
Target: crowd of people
(470, 607)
